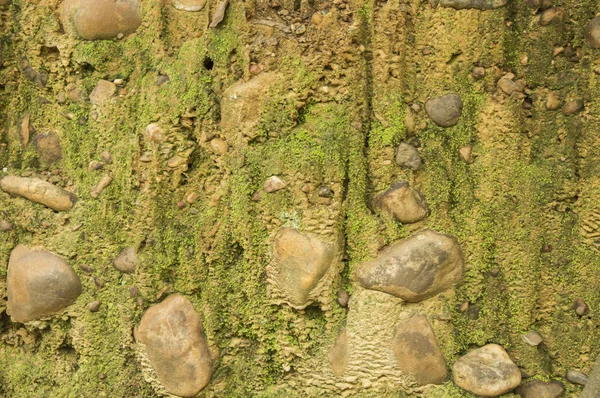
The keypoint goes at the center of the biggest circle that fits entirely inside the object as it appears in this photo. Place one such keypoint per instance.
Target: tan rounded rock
(593, 33)
(189, 5)
(101, 19)
(417, 351)
(487, 371)
(273, 184)
(173, 337)
(218, 146)
(301, 261)
(39, 191)
(405, 204)
(552, 101)
(415, 268)
(126, 261)
(102, 92)
(39, 284)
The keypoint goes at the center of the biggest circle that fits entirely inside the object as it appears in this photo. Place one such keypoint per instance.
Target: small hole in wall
(208, 63)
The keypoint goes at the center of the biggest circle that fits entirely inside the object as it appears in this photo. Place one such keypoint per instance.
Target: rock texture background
(339, 85)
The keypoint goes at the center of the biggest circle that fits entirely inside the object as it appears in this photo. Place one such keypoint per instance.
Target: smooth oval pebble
(102, 19)
(577, 377)
(444, 110)
(39, 284)
(189, 5)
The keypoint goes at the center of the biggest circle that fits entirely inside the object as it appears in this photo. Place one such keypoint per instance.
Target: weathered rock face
(415, 268)
(338, 355)
(102, 92)
(417, 352)
(39, 283)
(487, 371)
(300, 261)
(407, 205)
(593, 33)
(408, 156)
(48, 147)
(39, 191)
(189, 5)
(173, 336)
(126, 261)
(541, 389)
(241, 103)
(101, 19)
(445, 110)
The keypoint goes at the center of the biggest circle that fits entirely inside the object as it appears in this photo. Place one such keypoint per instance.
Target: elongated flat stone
(39, 191)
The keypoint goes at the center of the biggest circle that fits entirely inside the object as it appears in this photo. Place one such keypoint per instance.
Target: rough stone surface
(273, 184)
(487, 371)
(126, 261)
(541, 389)
(417, 351)
(48, 147)
(407, 205)
(573, 106)
(102, 92)
(415, 268)
(39, 191)
(509, 86)
(338, 354)
(465, 153)
(592, 387)
(408, 156)
(444, 110)
(592, 33)
(39, 284)
(532, 338)
(174, 340)
(580, 307)
(101, 19)
(552, 101)
(555, 14)
(300, 261)
(5, 226)
(189, 5)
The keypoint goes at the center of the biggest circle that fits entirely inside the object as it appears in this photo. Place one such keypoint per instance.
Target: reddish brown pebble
(580, 307)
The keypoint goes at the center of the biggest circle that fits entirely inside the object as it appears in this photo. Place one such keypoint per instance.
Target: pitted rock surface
(300, 262)
(407, 205)
(172, 335)
(487, 371)
(415, 268)
(39, 284)
(417, 351)
(444, 110)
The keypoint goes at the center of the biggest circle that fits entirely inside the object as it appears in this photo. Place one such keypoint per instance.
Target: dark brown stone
(126, 261)
(48, 147)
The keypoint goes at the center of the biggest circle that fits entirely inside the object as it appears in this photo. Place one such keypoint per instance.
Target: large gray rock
(39, 191)
(405, 204)
(593, 33)
(101, 19)
(415, 268)
(445, 110)
(541, 389)
(174, 340)
(39, 284)
(487, 371)
(300, 261)
(417, 351)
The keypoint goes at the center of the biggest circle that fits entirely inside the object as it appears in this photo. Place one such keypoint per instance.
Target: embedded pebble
(342, 298)
(95, 165)
(577, 377)
(541, 389)
(39, 284)
(218, 146)
(417, 352)
(325, 191)
(173, 337)
(573, 106)
(478, 72)
(532, 338)
(555, 14)
(508, 86)
(126, 261)
(580, 307)
(48, 147)
(5, 226)
(338, 354)
(101, 19)
(552, 101)
(465, 153)
(415, 268)
(189, 5)
(487, 371)
(444, 110)
(273, 184)
(593, 33)
(106, 157)
(408, 156)
(102, 184)
(39, 191)
(102, 92)
(154, 133)
(301, 261)
(94, 306)
(469, 4)
(404, 203)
